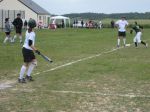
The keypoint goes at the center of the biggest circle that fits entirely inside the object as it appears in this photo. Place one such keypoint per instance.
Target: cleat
(118, 46)
(146, 45)
(22, 80)
(29, 78)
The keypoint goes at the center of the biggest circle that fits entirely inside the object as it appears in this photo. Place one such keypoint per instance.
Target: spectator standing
(82, 23)
(18, 23)
(7, 31)
(112, 24)
(100, 24)
(25, 24)
(62, 23)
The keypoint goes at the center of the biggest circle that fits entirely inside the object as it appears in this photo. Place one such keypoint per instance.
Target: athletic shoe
(124, 45)
(146, 45)
(29, 78)
(118, 46)
(22, 80)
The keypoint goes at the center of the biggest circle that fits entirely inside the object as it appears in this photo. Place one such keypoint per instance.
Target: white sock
(118, 42)
(30, 69)
(10, 39)
(124, 41)
(14, 38)
(20, 38)
(22, 71)
(5, 40)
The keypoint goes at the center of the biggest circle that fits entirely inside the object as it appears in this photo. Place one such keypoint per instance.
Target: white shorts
(137, 38)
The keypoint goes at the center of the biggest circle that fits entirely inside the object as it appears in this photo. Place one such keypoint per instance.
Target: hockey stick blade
(46, 58)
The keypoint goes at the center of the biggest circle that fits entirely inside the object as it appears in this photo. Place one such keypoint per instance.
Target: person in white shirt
(28, 53)
(100, 24)
(121, 24)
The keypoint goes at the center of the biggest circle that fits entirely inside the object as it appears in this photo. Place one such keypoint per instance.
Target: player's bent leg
(21, 79)
(30, 69)
(142, 42)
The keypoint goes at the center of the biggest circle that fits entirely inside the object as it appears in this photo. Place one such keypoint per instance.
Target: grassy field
(88, 74)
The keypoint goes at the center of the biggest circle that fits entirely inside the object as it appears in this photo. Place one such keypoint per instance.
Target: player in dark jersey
(137, 39)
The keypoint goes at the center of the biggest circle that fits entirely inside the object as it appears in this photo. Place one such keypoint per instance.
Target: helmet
(32, 23)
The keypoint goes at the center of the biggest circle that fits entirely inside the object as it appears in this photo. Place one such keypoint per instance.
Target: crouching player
(137, 39)
(28, 53)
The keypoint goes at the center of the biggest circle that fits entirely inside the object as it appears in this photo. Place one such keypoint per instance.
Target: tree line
(96, 16)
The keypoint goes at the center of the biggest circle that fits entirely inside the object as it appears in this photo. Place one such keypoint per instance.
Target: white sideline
(79, 60)
(130, 95)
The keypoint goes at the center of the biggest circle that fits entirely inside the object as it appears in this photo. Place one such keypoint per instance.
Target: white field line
(79, 60)
(83, 59)
(130, 95)
(4, 85)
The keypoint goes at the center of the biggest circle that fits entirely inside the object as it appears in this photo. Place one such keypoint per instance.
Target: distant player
(137, 39)
(121, 24)
(28, 53)
(18, 23)
(7, 31)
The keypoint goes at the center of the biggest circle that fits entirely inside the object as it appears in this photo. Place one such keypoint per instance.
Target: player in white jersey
(28, 53)
(121, 24)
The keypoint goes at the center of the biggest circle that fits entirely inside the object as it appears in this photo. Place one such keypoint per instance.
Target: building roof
(34, 7)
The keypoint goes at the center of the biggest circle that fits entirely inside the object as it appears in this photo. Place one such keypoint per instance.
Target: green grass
(112, 82)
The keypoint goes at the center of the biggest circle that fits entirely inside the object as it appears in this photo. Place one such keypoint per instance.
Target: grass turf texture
(114, 82)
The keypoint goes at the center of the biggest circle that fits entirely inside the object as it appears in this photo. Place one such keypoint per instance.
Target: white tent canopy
(61, 18)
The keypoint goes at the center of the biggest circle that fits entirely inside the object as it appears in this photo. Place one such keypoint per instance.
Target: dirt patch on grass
(6, 84)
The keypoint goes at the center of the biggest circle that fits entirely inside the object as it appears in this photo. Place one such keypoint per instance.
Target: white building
(27, 8)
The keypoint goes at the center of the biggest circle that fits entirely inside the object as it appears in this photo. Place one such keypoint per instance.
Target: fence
(11, 14)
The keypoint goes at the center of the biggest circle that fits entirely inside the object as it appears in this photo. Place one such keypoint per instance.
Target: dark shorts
(7, 33)
(28, 55)
(18, 30)
(122, 34)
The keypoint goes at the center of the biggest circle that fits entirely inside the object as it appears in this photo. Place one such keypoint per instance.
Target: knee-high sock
(124, 41)
(10, 39)
(14, 38)
(5, 40)
(20, 38)
(118, 42)
(22, 71)
(30, 69)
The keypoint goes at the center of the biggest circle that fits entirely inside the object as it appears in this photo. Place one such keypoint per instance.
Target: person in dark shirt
(82, 23)
(25, 24)
(18, 27)
(137, 39)
(62, 22)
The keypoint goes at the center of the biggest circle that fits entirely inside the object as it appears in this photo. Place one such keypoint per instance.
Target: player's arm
(33, 47)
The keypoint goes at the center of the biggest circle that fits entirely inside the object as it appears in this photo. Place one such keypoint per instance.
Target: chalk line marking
(79, 60)
(130, 95)
(9, 85)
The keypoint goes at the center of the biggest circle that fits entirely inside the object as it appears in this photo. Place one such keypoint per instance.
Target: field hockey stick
(46, 58)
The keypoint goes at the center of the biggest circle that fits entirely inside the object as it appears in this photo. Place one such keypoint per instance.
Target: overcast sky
(60, 7)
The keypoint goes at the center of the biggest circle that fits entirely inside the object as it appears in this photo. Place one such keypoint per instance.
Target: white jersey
(29, 36)
(122, 25)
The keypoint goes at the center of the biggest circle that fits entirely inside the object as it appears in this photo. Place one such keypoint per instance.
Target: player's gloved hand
(131, 31)
(38, 52)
